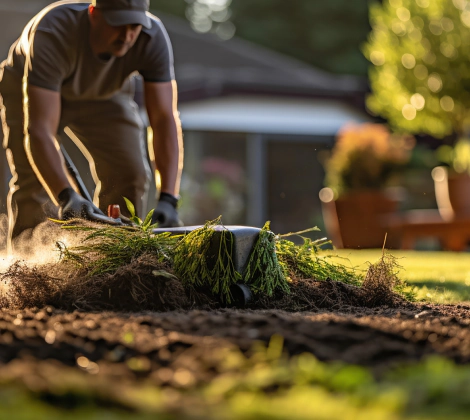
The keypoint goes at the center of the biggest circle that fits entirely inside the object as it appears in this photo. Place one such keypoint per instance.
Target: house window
(252, 178)
(294, 178)
(214, 179)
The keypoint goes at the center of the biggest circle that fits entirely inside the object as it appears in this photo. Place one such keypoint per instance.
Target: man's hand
(166, 214)
(73, 205)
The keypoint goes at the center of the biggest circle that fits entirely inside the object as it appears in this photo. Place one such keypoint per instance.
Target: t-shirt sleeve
(158, 64)
(49, 64)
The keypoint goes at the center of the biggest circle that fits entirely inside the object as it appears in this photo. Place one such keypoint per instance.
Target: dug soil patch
(156, 346)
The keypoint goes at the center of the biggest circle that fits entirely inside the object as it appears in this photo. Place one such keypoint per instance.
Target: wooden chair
(450, 223)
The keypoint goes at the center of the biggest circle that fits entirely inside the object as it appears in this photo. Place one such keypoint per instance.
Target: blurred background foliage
(420, 76)
(367, 157)
(325, 34)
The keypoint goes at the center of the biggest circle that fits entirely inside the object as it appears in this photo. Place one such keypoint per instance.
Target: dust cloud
(34, 247)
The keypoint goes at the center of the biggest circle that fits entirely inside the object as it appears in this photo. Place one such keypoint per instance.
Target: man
(73, 68)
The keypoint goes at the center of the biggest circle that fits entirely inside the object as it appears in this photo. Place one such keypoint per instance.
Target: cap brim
(126, 17)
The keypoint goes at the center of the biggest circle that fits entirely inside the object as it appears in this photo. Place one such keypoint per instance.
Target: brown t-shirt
(61, 59)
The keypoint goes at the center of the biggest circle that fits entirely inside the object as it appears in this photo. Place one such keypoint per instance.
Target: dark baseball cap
(124, 12)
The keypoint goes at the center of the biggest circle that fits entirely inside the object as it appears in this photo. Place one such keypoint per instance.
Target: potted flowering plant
(365, 160)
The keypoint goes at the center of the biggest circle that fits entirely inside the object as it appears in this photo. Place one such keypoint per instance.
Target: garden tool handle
(71, 168)
(114, 211)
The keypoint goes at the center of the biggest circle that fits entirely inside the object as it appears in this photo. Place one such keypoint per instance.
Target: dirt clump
(378, 338)
(144, 284)
(378, 289)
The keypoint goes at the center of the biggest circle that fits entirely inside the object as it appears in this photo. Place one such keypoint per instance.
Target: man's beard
(105, 56)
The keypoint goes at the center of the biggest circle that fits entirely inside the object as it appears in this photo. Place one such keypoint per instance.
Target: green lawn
(265, 386)
(440, 277)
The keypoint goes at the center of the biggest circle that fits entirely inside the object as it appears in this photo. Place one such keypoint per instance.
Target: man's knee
(27, 208)
(133, 182)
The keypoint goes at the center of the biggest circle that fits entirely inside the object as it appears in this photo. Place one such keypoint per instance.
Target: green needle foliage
(106, 249)
(306, 262)
(264, 273)
(203, 258)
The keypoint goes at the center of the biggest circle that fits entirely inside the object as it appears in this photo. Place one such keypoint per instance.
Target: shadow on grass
(442, 292)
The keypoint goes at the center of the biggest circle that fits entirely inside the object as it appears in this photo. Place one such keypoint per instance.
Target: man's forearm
(168, 149)
(42, 115)
(161, 103)
(46, 162)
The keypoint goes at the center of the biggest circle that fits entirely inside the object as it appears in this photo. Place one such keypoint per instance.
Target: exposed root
(381, 284)
(380, 288)
(310, 294)
(140, 285)
(28, 286)
(130, 270)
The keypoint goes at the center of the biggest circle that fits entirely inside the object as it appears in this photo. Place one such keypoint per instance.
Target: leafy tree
(326, 34)
(420, 76)
(173, 7)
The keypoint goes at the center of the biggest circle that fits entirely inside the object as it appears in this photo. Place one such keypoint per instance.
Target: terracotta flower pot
(356, 220)
(459, 194)
(452, 193)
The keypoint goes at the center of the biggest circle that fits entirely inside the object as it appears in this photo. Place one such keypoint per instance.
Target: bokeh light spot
(438, 174)
(465, 18)
(409, 112)
(50, 337)
(327, 195)
(225, 30)
(418, 101)
(398, 27)
(211, 15)
(447, 50)
(435, 27)
(377, 58)
(403, 14)
(201, 24)
(423, 3)
(447, 24)
(408, 61)
(429, 58)
(221, 15)
(447, 103)
(83, 362)
(415, 35)
(435, 82)
(418, 22)
(460, 4)
(426, 44)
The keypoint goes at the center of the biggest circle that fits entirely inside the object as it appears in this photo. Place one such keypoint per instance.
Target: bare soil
(154, 345)
(133, 325)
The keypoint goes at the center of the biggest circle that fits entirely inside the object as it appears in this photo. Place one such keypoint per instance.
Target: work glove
(73, 205)
(166, 214)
